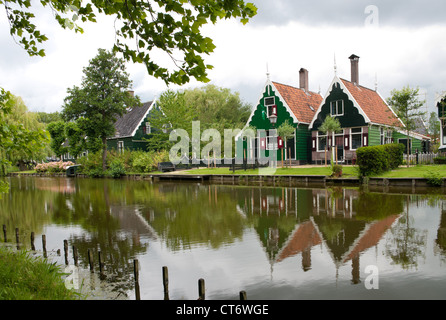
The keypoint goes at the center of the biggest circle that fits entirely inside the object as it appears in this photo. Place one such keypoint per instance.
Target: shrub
(378, 159)
(434, 179)
(116, 169)
(440, 160)
(148, 161)
(336, 170)
(53, 167)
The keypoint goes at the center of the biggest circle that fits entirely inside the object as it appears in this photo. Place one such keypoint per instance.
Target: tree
(102, 97)
(285, 130)
(406, 105)
(169, 26)
(214, 108)
(22, 137)
(58, 137)
(434, 129)
(330, 126)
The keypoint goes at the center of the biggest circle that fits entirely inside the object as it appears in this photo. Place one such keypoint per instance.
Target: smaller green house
(280, 103)
(365, 118)
(131, 128)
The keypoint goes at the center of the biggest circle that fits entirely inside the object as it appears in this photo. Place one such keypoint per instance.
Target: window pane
(322, 141)
(340, 107)
(356, 141)
(356, 130)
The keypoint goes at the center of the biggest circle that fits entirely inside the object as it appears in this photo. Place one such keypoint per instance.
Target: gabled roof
(301, 103)
(127, 125)
(373, 105)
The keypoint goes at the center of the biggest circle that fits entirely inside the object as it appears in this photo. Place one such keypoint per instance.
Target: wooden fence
(101, 265)
(420, 158)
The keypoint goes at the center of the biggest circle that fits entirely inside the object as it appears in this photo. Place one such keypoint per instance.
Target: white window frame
(267, 106)
(356, 133)
(317, 141)
(337, 114)
(148, 128)
(120, 146)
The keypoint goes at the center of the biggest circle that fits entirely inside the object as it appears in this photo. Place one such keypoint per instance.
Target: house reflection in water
(345, 221)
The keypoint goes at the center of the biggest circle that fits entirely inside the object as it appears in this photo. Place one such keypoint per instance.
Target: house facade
(441, 105)
(280, 103)
(365, 117)
(132, 128)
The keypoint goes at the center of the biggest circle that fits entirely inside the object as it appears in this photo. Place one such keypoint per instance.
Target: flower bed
(53, 166)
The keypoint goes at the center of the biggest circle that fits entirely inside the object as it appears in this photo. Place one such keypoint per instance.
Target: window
(385, 135)
(270, 104)
(269, 101)
(356, 136)
(321, 141)
(148, 129)
(337, 108)
(120, 146)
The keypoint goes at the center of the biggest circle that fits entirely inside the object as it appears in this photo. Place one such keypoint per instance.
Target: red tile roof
(372, 104)
(303, 238)
(299, 101)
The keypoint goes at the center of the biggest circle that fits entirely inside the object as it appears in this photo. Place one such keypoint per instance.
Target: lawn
(304, 171)
(419, 171)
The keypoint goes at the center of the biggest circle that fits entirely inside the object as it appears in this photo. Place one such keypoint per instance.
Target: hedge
(378, 159)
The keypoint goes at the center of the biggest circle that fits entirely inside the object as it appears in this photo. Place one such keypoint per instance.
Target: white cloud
(398, 55)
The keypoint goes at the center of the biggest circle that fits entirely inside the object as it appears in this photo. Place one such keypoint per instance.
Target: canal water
(272, 242)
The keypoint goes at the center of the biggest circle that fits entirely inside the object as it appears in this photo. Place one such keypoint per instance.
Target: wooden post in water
(136, 274)
(201, 290)
(65, 248)
(101, 266)
(17, 238)
(44, 245)
(166, 283)
(4, 233)
(33, 247)
(90, 260)
(243, 295)
(75, 256)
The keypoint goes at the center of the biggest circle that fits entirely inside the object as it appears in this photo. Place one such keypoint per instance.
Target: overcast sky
(399, 43)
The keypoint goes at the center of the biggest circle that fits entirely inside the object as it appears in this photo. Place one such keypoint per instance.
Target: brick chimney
(354, 60)
(303, 79)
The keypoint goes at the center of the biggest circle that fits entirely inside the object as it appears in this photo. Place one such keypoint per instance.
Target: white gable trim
(336, 79)
(268, 83)
(144, 117)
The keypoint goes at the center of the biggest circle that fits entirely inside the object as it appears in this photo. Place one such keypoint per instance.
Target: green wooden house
(281, 103)
(441, 105)
(365, 118)
(131, 128)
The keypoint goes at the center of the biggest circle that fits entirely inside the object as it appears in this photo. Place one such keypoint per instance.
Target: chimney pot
(354, 60)
(303, 79)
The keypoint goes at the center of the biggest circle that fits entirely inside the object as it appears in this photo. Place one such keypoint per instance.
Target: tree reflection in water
(121, 218)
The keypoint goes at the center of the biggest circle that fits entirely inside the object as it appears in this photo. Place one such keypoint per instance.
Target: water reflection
(328, 230)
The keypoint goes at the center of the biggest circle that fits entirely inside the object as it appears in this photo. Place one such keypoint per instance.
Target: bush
(440, 160)
(116, 169)
(378, 159)
(148, 161)
(53, 167)
(336, 170)
(434, 179)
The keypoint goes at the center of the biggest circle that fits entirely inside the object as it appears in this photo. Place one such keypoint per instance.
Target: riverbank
(414, 176)
(24, 277)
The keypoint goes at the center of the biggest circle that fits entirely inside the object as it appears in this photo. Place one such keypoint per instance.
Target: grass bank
(23, 277)
(419, 171)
